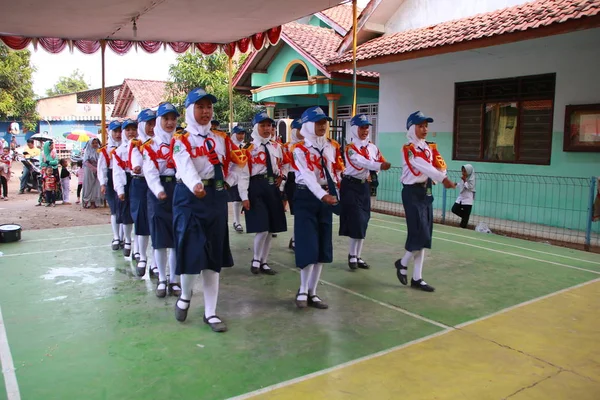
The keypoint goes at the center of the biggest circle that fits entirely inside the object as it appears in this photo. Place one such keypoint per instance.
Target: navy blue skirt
(138, 202)
(418, 207)
(355, 202)
(266, 213)
(313, 224)
(160, 216)
(123, 207)
(289, 189)
(110, 195)
(234, 194)
(201, 234)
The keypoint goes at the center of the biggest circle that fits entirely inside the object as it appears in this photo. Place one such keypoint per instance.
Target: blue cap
(314, 114)
(198, 94)
(166, 108)
(260, 117)
(360, 120)
(297, 124)
(128, 122)
(146, 115)
(238, 129)
(114, 125)
(417, 118)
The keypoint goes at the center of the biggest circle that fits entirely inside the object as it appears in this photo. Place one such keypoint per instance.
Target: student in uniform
(362, 156)
(288, 170)
(138, 191)
(238, 137)
(159, 168)
(464, 202)
(316, 192)
(214, 125)
(122, 182)
(202, 158)
(105, 177)
(421, 164)
(259, 183)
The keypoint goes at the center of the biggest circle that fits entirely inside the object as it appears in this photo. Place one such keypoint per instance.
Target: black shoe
(180, 314)
(253, 269)
(274, 235)
(162, 293)
(399, 267)
(121, 244)
(301, 303)
(153, 271)
(238, 227)
(136, 256)
(126, 251)
(115, 245)
(362, 264)
(317, 304)
(352, 265)
(421, 285)
(215, 326)
(140, 268)
(268, 270)
(292, 244)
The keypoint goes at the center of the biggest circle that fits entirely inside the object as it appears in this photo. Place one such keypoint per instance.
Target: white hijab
(162, 135)
(311, 138)
(142, 132)
(111, 140)
(352, 137)
(294, 136)
(257, 140)
(192, 125)
(470, 175)
(90, 153)
(411, 135)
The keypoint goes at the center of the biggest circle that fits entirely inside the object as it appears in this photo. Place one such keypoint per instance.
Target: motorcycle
(34, 173)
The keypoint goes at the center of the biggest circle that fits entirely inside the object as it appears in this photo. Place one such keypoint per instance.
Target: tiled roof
(147, 93)
(527, 16)
(319, 43)
(341, 15)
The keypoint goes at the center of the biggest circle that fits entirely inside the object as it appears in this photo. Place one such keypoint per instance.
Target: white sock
(115, 227)
(211, 293)
(143, 247)
(313, 281)
(259, 241)
(187, 284)
(134, 244)
(353, 249)
(160, 259)
(237, 211)
(305, 274)
(359, 247)
(418, 269)
(405, 260)
(265, 250)
(128, 229)
(173, 278)
(121, 232)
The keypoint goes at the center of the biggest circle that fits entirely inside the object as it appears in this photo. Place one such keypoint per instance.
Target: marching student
(238, 137)
(316, 192)
(421, 165)
(122, 182)
(258, 184)
(288, 170)
(159, 169)
(464, 202)
(138, 191)
(105, 177)
(202, 158)
(362, 156)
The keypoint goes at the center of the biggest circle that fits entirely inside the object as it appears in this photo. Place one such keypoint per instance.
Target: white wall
(419, 13)
(133, 110)
(428, 83)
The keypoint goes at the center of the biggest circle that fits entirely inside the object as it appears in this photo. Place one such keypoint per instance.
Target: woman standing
(91, 185)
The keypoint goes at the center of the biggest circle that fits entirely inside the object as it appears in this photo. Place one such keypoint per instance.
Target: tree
(69, 84)
(209, 72)
(17, 100)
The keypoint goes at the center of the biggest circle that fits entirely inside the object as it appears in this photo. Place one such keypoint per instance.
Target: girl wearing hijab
(203, 158)
(259, 183)
(464, 203)
(159, 169)
(91, 185)
(362, 156)
(49, 159)
(105, 176)
(238, 137)
(315, 163)
(138, 191)
(288, 170)
(421, 164)
(122, 182)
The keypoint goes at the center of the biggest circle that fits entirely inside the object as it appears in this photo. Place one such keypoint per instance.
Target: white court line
(8, 367)
(67, 237)
(499, 251)
(405, 345)
(498, 243)
(54, 251)
(387, 305)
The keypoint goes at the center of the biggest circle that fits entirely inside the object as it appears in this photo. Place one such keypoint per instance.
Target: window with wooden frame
(504, 120)
(582, 128)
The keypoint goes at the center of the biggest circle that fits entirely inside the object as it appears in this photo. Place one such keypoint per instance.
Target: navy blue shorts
(418, 207)
(110, 195)
(313, 223)
(355, 202)
(123, 207)
(266, 212)
(201, 233)
(138, 202)
(160, 216)
(234, 194)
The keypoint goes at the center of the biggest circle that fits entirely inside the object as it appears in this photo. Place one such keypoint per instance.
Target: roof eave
(316, 63)
(340, 30)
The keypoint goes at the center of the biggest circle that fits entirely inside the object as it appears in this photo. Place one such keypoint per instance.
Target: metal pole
(588, 229)
(354, 40)
(103, 94)
(230, 68)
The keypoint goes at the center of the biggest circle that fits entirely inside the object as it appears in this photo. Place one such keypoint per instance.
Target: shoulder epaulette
(147, 142)
(334, 143)
(248, 146)
(294, 145)
(220, 133)
(181, 134)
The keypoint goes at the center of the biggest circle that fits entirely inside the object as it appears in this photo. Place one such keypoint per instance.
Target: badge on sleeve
(410, 155)
(177, 149)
